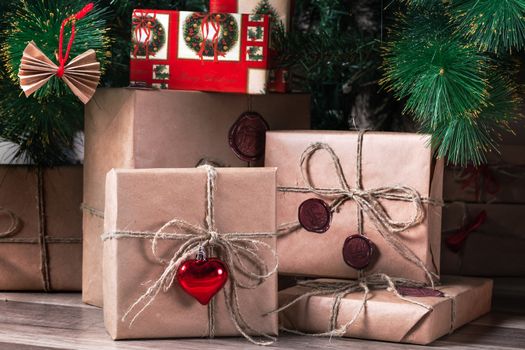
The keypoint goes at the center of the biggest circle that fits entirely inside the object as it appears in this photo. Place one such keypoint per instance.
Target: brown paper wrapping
(20, 263)
(388, 318)
(507, 170)
(497, 248)
(144, 200)
(387, 159)
(128, 128)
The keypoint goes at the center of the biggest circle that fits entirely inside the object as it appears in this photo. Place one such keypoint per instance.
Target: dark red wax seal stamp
(248, 136)
(358, 251)
(419, 292)
(315, 215)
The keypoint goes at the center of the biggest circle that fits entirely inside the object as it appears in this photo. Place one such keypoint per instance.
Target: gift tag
(315, 215)
(247, 136)
(358, 251)
(202, 278)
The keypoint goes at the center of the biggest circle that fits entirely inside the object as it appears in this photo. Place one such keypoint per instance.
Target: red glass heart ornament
(202, 279)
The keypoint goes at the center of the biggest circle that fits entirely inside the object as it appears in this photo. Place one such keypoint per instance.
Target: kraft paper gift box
(501, 180)
(387, 160)
(40, 228)
(129, 128)
(386, 317)
(483, 240)
(142, 201)
(180, 50)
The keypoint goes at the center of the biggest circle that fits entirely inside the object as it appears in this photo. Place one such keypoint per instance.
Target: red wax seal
(248, 136)
(315, 215)
(419, 292)
(358, 251)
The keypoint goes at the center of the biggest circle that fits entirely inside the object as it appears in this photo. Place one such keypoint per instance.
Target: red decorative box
(181, 50)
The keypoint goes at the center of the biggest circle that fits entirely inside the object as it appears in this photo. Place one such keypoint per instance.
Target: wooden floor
(61, 321)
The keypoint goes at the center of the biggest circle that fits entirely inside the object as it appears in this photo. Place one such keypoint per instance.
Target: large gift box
(224, 52)
(129, 128)
(483, 240)
(501, 180)
(388, 316)
(350, 203)
(158, 221)
(40, 228)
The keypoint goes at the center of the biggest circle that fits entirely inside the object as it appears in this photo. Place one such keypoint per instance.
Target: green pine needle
(466, 139)
(496, 26)
(439, 77)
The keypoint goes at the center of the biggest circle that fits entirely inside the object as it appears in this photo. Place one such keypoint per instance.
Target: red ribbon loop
(456, 241)
(142, 22)
(62, 59)
(481, 178)
(215, 19)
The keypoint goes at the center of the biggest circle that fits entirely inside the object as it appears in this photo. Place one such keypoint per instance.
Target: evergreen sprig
(496, 26)
(459, 93)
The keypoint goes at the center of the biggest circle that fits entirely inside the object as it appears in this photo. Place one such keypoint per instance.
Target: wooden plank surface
(61, 321)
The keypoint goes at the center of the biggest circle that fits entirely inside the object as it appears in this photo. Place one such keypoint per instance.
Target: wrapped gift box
(223, 52)
(279, 12)
(386, 317)
(129, 128)
(490, 246)
(388, 160)
(501, 180)
(40, 228)
(143, 201)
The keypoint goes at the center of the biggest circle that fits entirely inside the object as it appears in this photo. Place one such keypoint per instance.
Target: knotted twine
(43, 239)
(367, 202)
(340, 288)
(238, 251)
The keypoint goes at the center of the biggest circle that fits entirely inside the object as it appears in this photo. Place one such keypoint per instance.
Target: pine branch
(494, 26)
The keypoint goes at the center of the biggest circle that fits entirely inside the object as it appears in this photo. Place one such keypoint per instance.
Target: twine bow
(340, 288)
(81, 74)
(367, 200)
(238, 251)
(142, 22)
(215, 20)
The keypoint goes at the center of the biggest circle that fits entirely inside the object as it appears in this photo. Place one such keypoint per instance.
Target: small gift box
(354, 203)
(501, 180)
(132, 128)
(223, 52)
(399, 314)
(483, 240)
(40, 228)
(179, 239)
(279, 12)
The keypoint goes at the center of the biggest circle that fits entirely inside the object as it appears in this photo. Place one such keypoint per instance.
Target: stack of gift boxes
(195, 202)
(482, 233)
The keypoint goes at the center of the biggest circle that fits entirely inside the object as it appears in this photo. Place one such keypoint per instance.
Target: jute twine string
(43, 239)
(368, 202)
(340, 288)
(239, 252)
(93, 211)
